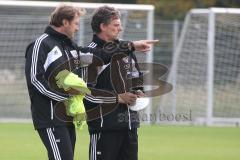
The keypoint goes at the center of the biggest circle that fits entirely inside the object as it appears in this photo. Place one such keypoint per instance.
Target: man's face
(113, 29)
(72, 27)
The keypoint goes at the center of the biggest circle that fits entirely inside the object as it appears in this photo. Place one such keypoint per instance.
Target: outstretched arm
(144, 45)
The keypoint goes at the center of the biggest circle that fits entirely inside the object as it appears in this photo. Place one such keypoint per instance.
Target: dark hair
(105, 15)
(62, 12)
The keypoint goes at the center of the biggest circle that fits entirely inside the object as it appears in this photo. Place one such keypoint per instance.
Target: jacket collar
(57, 35)
(100, 42)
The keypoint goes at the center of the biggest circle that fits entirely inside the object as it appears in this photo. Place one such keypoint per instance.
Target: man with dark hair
(113, 135)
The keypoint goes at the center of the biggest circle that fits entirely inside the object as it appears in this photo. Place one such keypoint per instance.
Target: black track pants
(59, 142)
(114, 145)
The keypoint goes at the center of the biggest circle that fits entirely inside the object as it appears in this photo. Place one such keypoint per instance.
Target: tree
(177, 9)
(108, 1)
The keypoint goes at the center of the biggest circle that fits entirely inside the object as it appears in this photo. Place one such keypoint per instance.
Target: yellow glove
(74, 105)
(68, 80)
(60, 78)
(76, 109)
(79, 121)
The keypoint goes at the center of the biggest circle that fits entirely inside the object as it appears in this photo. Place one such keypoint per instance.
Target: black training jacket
(110, 77)
(45, 57)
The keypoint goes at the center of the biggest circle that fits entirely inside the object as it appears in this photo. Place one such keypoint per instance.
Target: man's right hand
(144, 45)
(127, 98)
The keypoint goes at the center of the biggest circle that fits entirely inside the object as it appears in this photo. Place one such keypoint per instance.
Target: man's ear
(102, 27)
(65, 22)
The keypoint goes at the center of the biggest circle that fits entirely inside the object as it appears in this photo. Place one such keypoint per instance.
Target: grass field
(21, 142)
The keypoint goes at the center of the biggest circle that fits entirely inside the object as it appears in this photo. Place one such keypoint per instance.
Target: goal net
(23, 21)
(206, 68)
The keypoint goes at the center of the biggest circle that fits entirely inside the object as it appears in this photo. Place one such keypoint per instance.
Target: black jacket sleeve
(36, 55)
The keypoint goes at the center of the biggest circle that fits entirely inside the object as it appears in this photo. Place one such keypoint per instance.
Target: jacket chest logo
(52, 56)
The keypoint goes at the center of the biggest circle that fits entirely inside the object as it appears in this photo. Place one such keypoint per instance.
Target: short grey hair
(105, 15)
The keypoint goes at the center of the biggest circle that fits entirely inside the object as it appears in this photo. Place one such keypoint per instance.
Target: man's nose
(120, 28)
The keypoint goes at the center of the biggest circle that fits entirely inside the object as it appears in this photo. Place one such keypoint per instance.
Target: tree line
(173, 9)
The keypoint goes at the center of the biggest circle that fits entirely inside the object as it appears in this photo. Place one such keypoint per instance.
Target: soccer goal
(23, 21)
(206, 68)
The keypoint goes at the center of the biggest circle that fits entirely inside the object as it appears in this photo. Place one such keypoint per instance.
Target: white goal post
(23, 21)
(206, 68)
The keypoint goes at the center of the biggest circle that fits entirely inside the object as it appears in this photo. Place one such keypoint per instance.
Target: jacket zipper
(51, 109)
(69, 65)
(101, 116)
(129, 115)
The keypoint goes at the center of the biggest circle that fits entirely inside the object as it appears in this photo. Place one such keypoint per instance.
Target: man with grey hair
(113, 134)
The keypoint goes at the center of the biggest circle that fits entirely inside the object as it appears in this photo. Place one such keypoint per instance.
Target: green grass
(21, 142)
